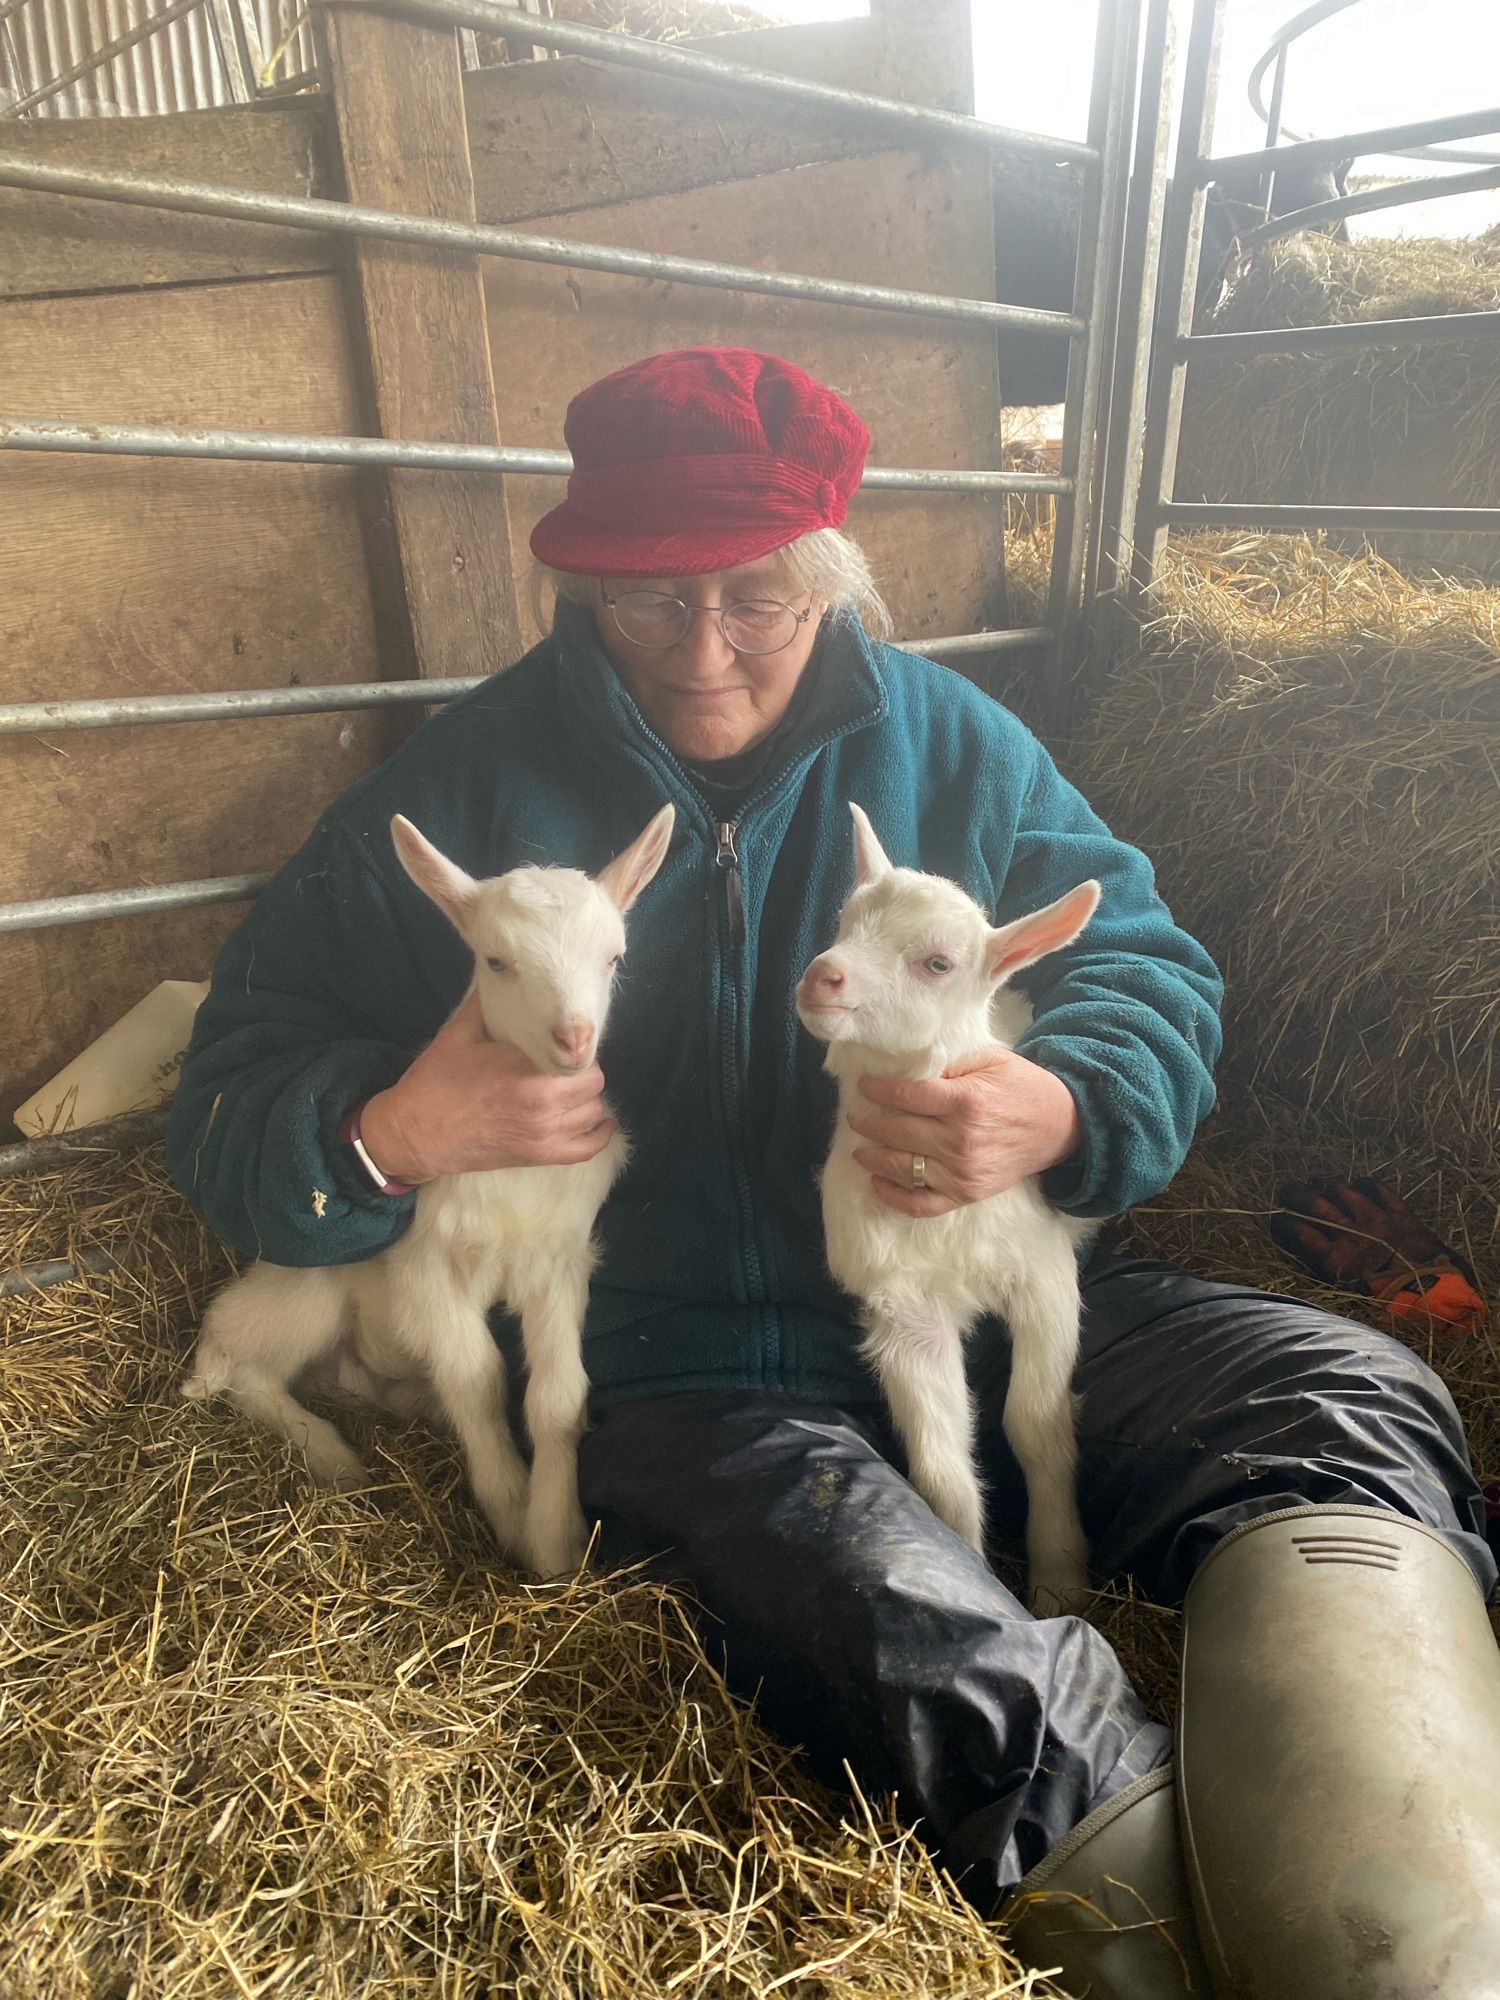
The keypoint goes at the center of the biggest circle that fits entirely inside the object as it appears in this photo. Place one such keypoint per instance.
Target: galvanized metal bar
(98, 58)
(45, 718)
(1400, 194)
(1343, 145)
(51, 911)
(9, 7)
(313, 448)
(1429, 330)
(353, 219)
(1094, 295)
(1273, 130)
(63, 1149)
(1182, 240)
(1294, 517)
(1016, 639)
(28, 1278)
(1120, 478)
(914, 121)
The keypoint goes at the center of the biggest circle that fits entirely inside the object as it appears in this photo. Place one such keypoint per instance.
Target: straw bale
(256, 1739)
(1419, 424)
(1307, 744)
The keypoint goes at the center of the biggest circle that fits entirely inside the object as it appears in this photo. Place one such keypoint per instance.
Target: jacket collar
(600, 715)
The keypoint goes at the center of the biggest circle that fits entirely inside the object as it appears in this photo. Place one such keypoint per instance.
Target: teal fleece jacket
(712, 1274)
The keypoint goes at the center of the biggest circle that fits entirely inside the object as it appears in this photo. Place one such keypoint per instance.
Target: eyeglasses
(754, 625)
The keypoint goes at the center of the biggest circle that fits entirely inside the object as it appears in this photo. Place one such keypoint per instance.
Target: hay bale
(260, 1739)
(1307, 743)
(1414, 425)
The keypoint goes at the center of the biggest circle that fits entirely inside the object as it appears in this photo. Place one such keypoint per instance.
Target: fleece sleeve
(319, 999)
(1128, 1016)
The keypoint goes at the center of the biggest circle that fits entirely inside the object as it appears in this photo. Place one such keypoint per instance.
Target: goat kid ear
(628, 874)
(1030, 938)
(435, 875)
(870, 859)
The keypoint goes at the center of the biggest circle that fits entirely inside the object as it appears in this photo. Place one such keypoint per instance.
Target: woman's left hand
(984, 1124)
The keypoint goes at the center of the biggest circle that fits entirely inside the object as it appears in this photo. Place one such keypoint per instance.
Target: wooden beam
(52, 244)
(398, 102)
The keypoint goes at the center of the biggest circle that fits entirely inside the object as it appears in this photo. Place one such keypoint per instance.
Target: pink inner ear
(1049, 930)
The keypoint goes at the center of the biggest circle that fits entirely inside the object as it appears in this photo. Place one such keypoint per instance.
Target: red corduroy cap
(699, 460)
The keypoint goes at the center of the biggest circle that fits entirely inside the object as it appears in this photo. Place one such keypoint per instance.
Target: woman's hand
(984, 1124)
(468, 1104)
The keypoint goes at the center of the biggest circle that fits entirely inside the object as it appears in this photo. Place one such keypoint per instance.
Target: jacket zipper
(727, 861)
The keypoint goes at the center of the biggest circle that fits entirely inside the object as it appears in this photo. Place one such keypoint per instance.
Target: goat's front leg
(1042, 1314)
(916, 1350)
(551, 1304)
(450, 1337)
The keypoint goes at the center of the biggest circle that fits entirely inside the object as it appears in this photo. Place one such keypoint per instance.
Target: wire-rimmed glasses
(754, 625)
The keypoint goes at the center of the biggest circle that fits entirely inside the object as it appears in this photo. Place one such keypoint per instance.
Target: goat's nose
(572, 1040)
(823, 977)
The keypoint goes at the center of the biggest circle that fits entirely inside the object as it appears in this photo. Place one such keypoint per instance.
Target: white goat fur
(408, 1328)
(922, 1283)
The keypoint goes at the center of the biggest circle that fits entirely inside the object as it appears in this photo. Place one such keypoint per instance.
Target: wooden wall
(142, 576)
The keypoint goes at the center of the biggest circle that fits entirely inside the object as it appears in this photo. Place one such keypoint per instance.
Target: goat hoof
(560, 1549)
(341, 1472)
(1059, 1595)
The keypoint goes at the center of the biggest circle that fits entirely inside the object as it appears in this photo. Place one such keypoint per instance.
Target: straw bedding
(260, 1740)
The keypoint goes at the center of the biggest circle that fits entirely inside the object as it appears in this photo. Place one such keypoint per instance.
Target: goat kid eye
(497, 965)
(937, 963)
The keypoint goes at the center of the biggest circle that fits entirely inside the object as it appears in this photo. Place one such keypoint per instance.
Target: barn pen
(262, 365)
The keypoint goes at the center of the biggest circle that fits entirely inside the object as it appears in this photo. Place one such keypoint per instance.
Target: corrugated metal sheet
(177, 69)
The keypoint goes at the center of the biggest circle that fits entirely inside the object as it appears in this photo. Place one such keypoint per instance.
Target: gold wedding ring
(918, 1171)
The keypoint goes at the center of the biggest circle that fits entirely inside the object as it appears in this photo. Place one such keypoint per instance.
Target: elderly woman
(1339, 1783)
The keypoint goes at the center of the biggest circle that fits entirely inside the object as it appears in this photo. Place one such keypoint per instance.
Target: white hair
(826, 563)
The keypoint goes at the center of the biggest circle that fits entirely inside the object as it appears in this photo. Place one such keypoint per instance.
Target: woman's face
(703, 697)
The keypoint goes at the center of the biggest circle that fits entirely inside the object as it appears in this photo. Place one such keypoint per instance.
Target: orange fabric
(1361, 1237)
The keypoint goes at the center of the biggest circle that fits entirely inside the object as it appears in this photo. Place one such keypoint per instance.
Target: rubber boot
(1339, 1762)
(1108, 1911)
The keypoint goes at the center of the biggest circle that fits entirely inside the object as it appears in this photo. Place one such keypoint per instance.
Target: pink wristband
(350, 1136)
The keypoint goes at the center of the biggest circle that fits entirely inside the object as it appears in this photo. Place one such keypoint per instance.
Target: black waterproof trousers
(870, 1633)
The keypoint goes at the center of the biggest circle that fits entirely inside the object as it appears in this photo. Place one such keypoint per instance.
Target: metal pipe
(341, 218)
(1293, 30)
(56, 1271)
(52, 911)
(1095, 302)
(1273, 131)
(958, 645)
(1438, 327)
(1343, 145)
(1140, 260)
(9, 7)
(629, 52)
(44, 718)
(1401, 194)
(97, 58)
(1182, 240)
(1293, 516)
(62, 1149)
(41, 718)
(304, 448)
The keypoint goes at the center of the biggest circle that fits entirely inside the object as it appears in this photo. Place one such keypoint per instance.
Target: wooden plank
(53, 243)
(124, 576)
(929, 391)
(551, 138)
(398, 99)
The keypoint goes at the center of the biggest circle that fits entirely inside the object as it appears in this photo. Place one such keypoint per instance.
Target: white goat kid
(407, 1329)
(911, 985)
